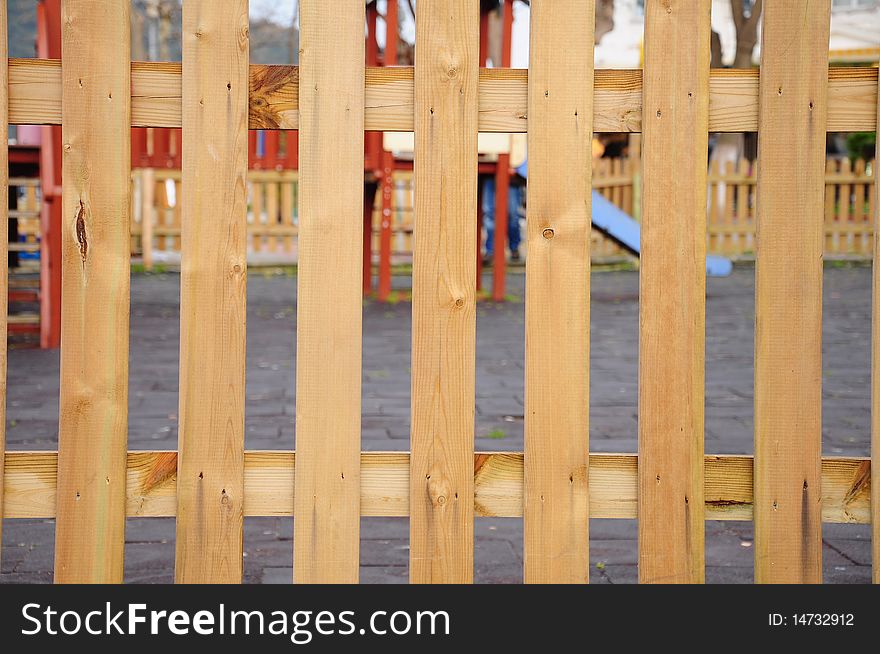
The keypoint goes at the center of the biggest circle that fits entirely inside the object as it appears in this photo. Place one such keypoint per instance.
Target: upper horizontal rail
(35, 98)
(498, 485)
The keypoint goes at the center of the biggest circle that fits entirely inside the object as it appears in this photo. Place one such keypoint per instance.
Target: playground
(32, 419)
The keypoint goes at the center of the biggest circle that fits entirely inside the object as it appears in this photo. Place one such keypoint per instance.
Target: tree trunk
(716, 61)
(604, 18)
(746, 31)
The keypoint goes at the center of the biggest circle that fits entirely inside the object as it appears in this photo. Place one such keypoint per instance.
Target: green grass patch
(141, 269)
(835, 264)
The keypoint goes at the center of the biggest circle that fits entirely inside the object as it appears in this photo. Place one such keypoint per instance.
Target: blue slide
(623, 229)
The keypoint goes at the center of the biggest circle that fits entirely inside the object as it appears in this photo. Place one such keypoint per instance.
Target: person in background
(515, 210)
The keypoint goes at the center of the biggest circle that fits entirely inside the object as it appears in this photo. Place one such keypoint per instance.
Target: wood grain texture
(4, 240)
(672, 291)
(35, 98)
(788, 311)
(875, 371)
(326, 535)
(498, 485)
(444, 301)
(556, 506)
(96, 214)
(212, 294)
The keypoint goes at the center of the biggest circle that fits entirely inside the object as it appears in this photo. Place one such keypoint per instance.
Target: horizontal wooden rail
(498, 485)
(35, 98)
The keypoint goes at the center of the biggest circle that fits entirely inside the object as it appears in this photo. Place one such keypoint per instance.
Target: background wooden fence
(849, 208)
(26, 194)
(850, 203)
(91, 484)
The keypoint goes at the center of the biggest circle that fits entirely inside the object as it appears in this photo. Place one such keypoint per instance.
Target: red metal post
(372, 139)
(502, 173)
(390, 59)
(499, 261)
(162, 149)
(391, 34)
(484, 55)
(372, 46)
(484, 38)
(139, 158)
(385, 230)
(175, 148)
(479, 236)
(291, 161)
(372, 156)
(271, 150)
(369, 196)
(49, 47)
(252, 150)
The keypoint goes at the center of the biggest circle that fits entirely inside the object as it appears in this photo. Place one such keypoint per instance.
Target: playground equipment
(624, 229)
(160, 148)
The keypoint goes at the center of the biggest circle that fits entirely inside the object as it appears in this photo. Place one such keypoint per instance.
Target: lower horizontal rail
(498, 484)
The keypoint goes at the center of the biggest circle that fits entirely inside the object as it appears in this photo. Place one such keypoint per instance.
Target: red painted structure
(24, 161)
(49, 47)
(267, 150)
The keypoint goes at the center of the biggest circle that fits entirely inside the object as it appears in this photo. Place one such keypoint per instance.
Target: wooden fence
(26, 193)
(788, 489)
(850, 203)
(272, 223)
(272, 217)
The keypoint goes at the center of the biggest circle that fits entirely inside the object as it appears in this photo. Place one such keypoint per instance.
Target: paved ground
(33, 411)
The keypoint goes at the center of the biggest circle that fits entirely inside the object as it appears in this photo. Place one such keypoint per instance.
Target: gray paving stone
(277, 575)
(384, 574)
(33, 379)
(849, 551)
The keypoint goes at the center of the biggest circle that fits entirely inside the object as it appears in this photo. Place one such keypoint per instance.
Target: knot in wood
(438, 489)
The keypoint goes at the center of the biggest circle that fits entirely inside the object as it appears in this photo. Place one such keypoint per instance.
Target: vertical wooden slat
(859, 191)
(875, 367)
(556, 508)
(148, 200)
(4, 239)
(673, 291)
(92, 436)
(788, 312)
(257, 228)
(213, 292)
(844, 202)
(444, 311)
(873, 193)
(713, 237)
(855, 239)
(729, 194)
(329, 306)
(176, 214)
(742, 202)
(272, 213)
(830, 208)
(286, 222)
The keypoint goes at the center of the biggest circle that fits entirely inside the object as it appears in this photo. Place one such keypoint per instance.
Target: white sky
(278, 11)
